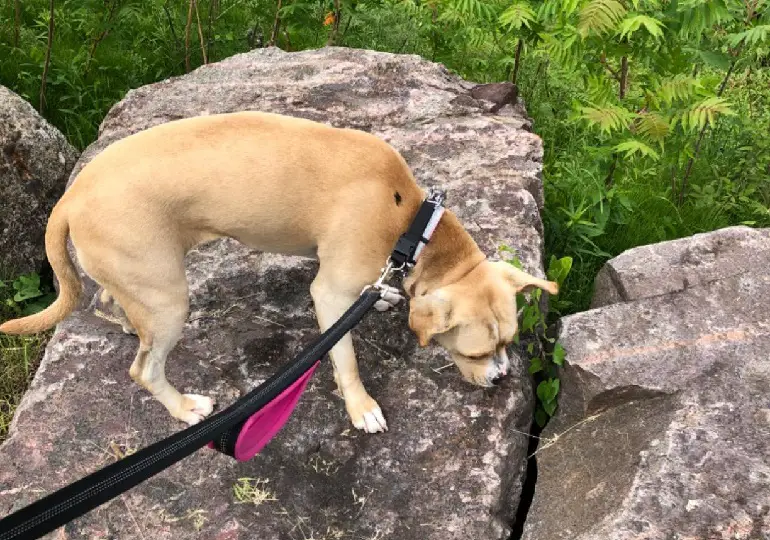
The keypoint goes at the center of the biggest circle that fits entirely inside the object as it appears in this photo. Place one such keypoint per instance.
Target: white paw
(195, 408)
(367, 415)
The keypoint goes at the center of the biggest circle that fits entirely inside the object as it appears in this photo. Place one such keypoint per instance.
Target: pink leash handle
(245, 440)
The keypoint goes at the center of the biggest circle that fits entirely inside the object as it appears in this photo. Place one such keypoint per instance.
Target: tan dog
(277, 184)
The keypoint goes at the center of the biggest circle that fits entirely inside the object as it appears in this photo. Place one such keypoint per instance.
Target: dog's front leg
(364, 411)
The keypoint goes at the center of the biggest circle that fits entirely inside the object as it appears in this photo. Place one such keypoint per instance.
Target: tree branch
(47, 56)
(110, 15)
(276, 25)
(200, 33)
(16, 22)
(187, 38)
(623, 77)
(603, 61)
(171, 24)
(517, 61)
(702, 133)
(213, 8)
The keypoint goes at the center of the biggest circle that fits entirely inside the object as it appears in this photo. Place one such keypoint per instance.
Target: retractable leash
(242, 429)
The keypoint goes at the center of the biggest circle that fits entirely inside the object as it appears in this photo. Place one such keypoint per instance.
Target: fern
(518, 15)
(705, 113)
(608, 118)
(472, 8)
(563, 48)
(700, 15)
(633, 23)
(678, 88)
(600, 16)
(551, 8)
(632, 147)
(752, 36)
(599, 89)
(653, 127)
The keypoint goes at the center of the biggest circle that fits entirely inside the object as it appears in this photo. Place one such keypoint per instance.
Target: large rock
(35, 162)
(668, 267)
(664, 420)
(452, 463)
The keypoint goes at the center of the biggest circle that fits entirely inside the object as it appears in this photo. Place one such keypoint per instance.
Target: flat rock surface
(35, 162)
(452, 463)
(664, 420)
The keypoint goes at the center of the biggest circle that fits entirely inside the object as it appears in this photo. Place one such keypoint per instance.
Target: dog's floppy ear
(429, 315)
(524, 282)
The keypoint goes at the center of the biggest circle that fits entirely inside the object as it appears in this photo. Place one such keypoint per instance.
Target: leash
(240, 430)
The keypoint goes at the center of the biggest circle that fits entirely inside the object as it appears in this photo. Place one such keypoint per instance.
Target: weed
(253, 491)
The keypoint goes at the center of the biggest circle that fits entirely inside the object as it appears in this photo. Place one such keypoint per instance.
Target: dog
(276, 184)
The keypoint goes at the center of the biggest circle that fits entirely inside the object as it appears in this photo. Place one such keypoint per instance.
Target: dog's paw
(195, 408)
(390, 298)
(366, 414)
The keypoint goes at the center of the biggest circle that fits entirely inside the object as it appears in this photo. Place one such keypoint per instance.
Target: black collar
(411, 243)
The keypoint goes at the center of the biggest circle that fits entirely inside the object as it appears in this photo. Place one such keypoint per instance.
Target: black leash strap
(74, 500)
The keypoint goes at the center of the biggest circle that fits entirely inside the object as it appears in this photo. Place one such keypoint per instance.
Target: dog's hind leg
(108, 308)
(159, 324)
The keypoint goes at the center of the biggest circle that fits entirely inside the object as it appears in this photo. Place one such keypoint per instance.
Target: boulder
(668, 267)
(664, 420)
(35, 162)
(451, 464)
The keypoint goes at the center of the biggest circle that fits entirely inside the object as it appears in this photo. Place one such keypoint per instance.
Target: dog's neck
(449, 256)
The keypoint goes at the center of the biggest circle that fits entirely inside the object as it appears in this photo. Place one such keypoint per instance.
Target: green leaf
(27, 286)
(517, 15)
(558, 354)
(39, 304)
(678, 88)
(653, 126)
(600, 16)
(541, 417)
(530, 318)
(752, 36)
(553, 390)
(549, 408)
(719, 61)
(706, 112)
(634, 22)
(548, 390)
(608, 118)
(530, 348)
(633, 147)
(535, 366)
(558, 269)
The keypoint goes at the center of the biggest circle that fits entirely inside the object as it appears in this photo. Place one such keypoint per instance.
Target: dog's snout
(498, 379)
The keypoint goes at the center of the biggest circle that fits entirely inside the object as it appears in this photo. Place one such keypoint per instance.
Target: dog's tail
(70, 287)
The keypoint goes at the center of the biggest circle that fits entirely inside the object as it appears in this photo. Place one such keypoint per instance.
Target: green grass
(19, 355)
(19, 358)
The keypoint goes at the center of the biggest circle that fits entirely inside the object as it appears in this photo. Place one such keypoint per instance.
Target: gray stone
(664, 419)
(35, 161)
(667, 267)
(500, 94)
(451, 464)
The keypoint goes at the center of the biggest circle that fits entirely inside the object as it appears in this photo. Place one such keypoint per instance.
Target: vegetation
(19, 356)
(654, 113)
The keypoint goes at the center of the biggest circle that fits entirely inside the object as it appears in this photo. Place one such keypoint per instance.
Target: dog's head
(475, 318)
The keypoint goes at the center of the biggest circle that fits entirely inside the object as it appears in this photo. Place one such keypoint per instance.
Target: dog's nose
(497, 380)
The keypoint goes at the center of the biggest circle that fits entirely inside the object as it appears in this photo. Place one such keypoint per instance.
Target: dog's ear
(429, 315)
(523, 282)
